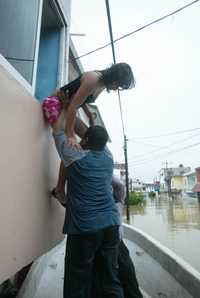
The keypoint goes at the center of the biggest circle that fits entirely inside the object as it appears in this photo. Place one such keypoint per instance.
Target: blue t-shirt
(89, 204)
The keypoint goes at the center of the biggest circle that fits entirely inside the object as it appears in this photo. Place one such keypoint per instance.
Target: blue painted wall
(47, 72)
(191, 180)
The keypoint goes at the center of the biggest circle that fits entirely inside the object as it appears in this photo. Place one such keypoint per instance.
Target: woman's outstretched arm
(88, 85)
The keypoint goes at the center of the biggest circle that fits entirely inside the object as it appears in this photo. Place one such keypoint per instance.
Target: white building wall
(30, 219)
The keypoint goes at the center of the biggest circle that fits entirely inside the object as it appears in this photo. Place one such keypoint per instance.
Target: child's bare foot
(59, 195)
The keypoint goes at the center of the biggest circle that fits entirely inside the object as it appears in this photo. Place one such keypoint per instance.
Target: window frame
(63, 52)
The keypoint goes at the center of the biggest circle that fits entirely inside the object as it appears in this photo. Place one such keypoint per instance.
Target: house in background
(136, 185)
(180, 179)
(189, 181)
(171, 178)
(149, 186)
(177, 183)
(196, 188)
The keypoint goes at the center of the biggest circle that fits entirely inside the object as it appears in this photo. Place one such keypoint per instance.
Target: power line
(167, 134)
(164, 147)
(168, 153)
(141, 28)
(145, 143)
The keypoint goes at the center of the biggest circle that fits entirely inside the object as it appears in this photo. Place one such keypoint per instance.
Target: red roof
(196, 188)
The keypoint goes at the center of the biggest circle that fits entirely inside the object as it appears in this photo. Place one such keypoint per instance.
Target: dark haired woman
(78, 93)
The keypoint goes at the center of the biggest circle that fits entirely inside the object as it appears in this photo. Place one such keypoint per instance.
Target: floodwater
(173, 222)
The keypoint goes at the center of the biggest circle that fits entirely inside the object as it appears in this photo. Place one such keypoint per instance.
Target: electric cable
(163, 147)
(139, 29)
(167, 134)
(168, 153)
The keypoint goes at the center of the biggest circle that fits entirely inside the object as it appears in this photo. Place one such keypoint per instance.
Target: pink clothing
(52, 107)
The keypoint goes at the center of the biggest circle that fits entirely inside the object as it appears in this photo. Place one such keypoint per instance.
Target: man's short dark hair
(97, 137)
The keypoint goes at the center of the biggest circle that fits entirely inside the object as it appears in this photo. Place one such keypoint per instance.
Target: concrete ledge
(183, 272)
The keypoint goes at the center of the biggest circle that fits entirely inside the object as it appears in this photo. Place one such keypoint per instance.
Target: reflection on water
(174, 222)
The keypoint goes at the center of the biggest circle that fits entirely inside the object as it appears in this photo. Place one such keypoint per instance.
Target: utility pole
(110, 30)
(168, 178)
(127, 179)
(125, 139)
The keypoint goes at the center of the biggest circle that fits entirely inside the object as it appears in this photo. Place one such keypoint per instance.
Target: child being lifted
(78, 93)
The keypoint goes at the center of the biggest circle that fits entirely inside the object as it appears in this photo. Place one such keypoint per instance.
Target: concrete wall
(30, 220)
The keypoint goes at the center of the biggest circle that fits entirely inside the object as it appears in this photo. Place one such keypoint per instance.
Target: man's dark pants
(127, 275)
(79, 263)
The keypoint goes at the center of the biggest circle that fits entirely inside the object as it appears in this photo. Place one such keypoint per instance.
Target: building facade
(177, 183)
(36, 57)
(189, 181)
(196, 188)
(171, 178)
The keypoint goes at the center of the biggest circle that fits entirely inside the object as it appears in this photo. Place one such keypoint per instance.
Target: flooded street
(175, 223)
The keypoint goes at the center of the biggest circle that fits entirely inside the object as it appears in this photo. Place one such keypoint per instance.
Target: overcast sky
(165, 59)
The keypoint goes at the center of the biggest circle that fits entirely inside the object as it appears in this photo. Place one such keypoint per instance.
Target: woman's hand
(73, 143)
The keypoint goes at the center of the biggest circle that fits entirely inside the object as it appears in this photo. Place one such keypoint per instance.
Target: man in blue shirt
(92, 219)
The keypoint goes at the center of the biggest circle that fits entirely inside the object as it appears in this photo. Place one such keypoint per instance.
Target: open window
(32, 39)
(18, 23)
(48, 66)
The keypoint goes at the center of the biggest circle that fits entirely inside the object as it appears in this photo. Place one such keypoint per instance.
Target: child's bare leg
(59, 190)
(60, 187)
